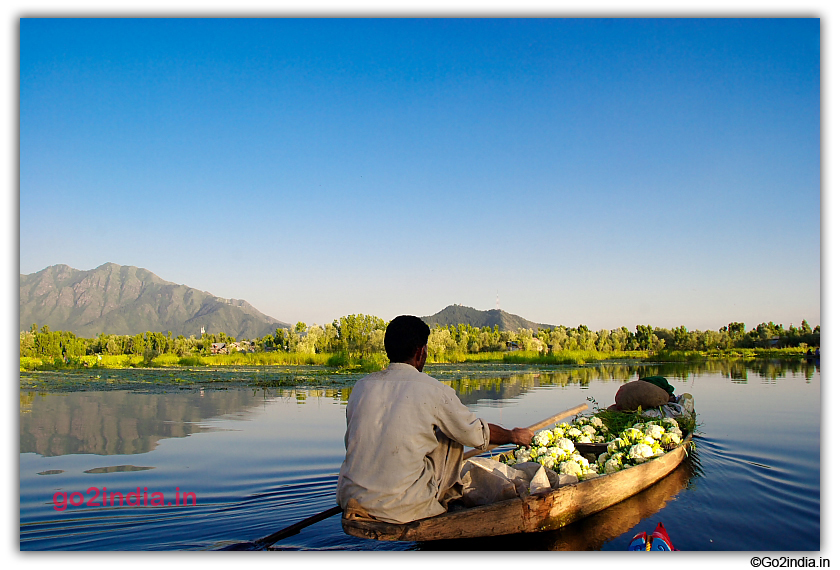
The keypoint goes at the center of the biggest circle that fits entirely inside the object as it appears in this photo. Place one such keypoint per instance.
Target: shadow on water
(594, 531)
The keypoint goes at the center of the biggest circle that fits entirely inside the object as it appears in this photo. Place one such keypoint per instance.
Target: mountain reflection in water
(118, 422)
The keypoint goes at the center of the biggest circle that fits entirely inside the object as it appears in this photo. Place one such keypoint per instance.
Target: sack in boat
(487, 481)
(640, 393)
(543, 479)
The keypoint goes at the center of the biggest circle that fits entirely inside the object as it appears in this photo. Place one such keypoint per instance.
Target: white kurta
(392, 444)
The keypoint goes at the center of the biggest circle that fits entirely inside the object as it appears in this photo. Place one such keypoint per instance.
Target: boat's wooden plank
(535, 513)
(580, 500)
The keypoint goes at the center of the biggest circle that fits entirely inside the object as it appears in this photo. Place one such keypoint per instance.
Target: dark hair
(404, 335)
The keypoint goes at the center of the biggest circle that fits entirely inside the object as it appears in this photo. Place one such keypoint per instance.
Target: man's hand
(501, 436)
(521, 436)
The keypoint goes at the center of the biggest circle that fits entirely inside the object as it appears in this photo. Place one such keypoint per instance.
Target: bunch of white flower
(521, 455)
(612, 465)
(565, 444)
(570, 468)
(670, 438)
(640, 452)
(640, 443)
(543, 438)
(553, 449)
(584, 430)
(654, 431)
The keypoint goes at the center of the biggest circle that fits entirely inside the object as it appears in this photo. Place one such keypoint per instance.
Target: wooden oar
(267, 541)
(536, 426)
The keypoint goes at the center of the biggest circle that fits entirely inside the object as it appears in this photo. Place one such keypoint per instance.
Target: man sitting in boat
(406, 434)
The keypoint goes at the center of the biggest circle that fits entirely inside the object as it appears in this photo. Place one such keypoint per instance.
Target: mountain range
(127, 300)
(459, 314)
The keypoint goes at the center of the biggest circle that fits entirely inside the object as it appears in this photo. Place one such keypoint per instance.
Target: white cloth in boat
(487, 480)
(683, 407)
(405, 441)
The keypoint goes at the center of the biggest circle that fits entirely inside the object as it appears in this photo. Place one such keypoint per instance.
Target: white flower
(546, 461)
(541, 450)
(639, 426)
(640, 452)
(565, 444)
(633, 434)
(596, 421)
(574, 432)
(558, 454)
(676, 430)
(648, 440)
(542, 438)
(613, 446)
(603, 459)
(584, 439)
(588, 429)
(600, 439)
(670, 437)
(654, 431)
(612, 466)
(522, 455)
(569, 468)
(558, 432)
(584, 462)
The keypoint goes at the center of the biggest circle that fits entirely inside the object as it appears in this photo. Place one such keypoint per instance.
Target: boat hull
(534, 513)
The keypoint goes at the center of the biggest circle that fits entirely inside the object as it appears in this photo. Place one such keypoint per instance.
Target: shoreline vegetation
(344, 362)
(354, 344)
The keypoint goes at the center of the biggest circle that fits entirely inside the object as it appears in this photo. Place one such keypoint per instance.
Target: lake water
(259, 459)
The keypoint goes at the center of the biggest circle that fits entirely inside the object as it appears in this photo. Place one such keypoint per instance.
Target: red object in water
(658, 540)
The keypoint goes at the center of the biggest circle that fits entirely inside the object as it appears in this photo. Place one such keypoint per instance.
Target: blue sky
(600, 172)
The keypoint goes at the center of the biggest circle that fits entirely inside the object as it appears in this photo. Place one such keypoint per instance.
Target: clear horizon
(600, 172)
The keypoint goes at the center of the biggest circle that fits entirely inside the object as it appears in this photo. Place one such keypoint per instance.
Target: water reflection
(121, 422)
(117, 422)
(472, 388)
(277, 459)
(117, 469)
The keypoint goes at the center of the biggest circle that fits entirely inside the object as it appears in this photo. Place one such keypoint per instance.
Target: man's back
(391, 421)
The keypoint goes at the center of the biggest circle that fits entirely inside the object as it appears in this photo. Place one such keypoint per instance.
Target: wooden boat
(533, 513)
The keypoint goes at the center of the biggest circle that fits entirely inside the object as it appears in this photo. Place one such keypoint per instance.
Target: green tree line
(363, 335)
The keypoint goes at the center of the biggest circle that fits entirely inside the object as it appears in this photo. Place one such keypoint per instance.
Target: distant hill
(117, 299)
(458, 314)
